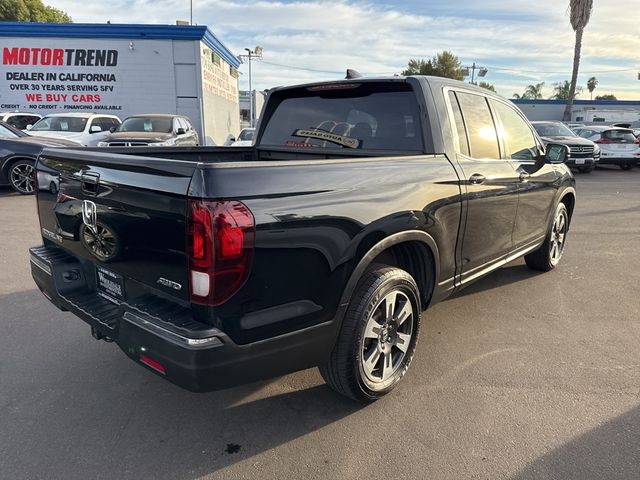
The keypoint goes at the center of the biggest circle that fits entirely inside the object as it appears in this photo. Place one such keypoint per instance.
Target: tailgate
(123, 216)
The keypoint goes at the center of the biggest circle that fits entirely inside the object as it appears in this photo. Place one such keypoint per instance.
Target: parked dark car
(18, 154)
(153, 130)
(364, 202)
(584, 154)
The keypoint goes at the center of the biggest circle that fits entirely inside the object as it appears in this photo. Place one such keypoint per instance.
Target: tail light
(602, 140)
(220, 240)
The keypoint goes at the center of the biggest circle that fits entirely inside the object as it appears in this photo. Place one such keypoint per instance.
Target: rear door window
(461, 133)
(368, 116)
(483, 138)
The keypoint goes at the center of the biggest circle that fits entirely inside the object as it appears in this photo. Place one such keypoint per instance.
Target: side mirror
(232, 139)
(556, 153)
(95, 129)
(180, 131)
(112, 129)
(29, 127)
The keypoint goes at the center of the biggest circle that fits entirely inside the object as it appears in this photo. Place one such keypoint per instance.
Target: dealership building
(587, 111)
(121, 70)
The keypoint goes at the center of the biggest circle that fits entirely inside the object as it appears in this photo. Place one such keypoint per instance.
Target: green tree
(31, 11)
(592, 83)
(562, 91)
(579, 15)
(444, 64)
(608, 96)
(488, 86)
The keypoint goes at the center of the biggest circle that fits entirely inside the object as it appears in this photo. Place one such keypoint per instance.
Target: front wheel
(378, 336)
(626, 166)
(550, 252)
(22, 176)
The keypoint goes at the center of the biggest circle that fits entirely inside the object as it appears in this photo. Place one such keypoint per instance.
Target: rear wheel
(378, 336)
(550, 252)
(22, 177)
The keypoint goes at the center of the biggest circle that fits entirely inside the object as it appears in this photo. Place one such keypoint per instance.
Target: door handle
(477, 178)
(524, 177)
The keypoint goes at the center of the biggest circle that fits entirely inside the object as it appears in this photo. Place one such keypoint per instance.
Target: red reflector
(153, 364)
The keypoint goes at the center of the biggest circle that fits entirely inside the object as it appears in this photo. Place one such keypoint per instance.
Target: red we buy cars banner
(42, 78)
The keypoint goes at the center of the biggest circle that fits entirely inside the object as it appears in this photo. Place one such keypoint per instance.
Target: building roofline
(119, 30)
(528, 101)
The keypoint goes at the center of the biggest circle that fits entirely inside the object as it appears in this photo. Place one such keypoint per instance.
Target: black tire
(544, 258)
(626, 166)
(585, 169)
(346, 370)
(22, 178)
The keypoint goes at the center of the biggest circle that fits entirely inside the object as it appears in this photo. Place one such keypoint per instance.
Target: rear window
(371, 116)
(619, 136)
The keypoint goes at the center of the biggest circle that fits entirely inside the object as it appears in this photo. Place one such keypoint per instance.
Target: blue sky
(521, 42)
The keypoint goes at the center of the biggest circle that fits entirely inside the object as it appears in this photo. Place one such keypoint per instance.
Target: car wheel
(378, 336)
(550, 252)
(585, 169)
(22, 177)
(626, 166)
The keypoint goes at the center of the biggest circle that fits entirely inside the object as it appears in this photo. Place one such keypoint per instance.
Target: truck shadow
(609, 451)
(71, 407)
(8, 192)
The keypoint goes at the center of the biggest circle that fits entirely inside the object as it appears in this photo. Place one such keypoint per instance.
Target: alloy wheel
(558, 236)
(22, 177)
(387, 337)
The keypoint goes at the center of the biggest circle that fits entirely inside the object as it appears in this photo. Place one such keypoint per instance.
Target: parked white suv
(618, 146)
(85, 128)
(19, 120)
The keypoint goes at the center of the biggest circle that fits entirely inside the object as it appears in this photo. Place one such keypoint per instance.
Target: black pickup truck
(364, 202)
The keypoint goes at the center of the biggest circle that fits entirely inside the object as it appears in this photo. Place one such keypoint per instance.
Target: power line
(503, 69)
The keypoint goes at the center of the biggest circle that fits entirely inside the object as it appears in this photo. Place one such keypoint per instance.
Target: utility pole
(190, 12)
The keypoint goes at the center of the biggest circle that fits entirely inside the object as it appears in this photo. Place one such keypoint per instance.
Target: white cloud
(531, 38)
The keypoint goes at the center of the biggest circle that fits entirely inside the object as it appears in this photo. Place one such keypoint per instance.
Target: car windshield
(7, 133)
(553, 130)
(376, 116)
(60, 124)
(147, 124)
(246, 135)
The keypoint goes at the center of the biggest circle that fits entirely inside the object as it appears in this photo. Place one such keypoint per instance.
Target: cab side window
(481, 130)
(519, 141)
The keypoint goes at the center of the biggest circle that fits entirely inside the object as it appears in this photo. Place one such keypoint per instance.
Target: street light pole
(482, 71)
(249, 52)
(190, 12)
(255, 53)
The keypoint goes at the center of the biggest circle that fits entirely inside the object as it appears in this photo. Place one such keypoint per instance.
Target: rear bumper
(190, 354)
(623, 160)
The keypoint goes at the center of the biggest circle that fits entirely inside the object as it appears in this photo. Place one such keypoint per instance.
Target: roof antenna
(351, 73)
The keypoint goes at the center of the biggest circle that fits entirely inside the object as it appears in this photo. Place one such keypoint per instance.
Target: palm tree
(579, 14)
(592, 83)
(562, 91)
(534, 91)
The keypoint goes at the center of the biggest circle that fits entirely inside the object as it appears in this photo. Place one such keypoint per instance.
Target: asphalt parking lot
(523, 375)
